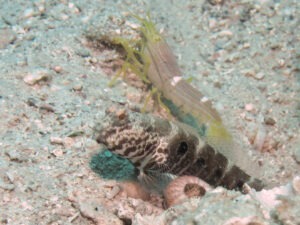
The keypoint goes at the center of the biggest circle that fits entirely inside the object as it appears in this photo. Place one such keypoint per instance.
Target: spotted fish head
(150, 143)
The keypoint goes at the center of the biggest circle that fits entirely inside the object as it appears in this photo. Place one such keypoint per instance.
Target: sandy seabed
(54, 87)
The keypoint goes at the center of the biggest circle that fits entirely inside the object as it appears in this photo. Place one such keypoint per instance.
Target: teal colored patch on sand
(111, 166)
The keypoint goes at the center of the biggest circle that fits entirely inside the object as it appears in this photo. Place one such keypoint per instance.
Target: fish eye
(182, 148)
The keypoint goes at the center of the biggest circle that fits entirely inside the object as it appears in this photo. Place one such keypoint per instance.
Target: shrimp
(154, 61)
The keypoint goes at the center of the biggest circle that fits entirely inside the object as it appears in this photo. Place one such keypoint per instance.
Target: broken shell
(183, 188)
(296, 184)
(37, 76)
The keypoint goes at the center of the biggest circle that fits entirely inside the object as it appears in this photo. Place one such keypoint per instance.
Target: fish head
(150, 143)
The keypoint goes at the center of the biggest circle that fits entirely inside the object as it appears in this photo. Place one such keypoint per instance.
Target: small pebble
(75, 133)
(269, 121)
(216, 2)
(83, 52)
(57, 152)
(246, 45)
(260, 76)
(57, 69)
(212, 23)
(47, 108)
(32, 102)
(204, 99)
(56, 140)
(77, 87)
(252, 73)
(225, 33)
(93, 60)
(249, 73)
(41, 8)
(7, 37)
(218, 84)
(249, 107)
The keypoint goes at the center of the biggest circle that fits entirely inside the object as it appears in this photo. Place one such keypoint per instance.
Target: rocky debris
(287, 212)
(253, 74)
(127, 209)
(37, 76)
(95, 211)
(288, 209)
(220, 206)
(16, 156)
(244, 221)
(269, 121)
(217, 207)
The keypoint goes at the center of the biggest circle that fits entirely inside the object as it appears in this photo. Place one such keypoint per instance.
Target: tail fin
(218, 137)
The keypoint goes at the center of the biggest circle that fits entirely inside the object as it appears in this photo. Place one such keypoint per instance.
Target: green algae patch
(111, 166)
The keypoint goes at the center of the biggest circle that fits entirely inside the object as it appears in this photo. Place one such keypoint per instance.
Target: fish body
(157, 146)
